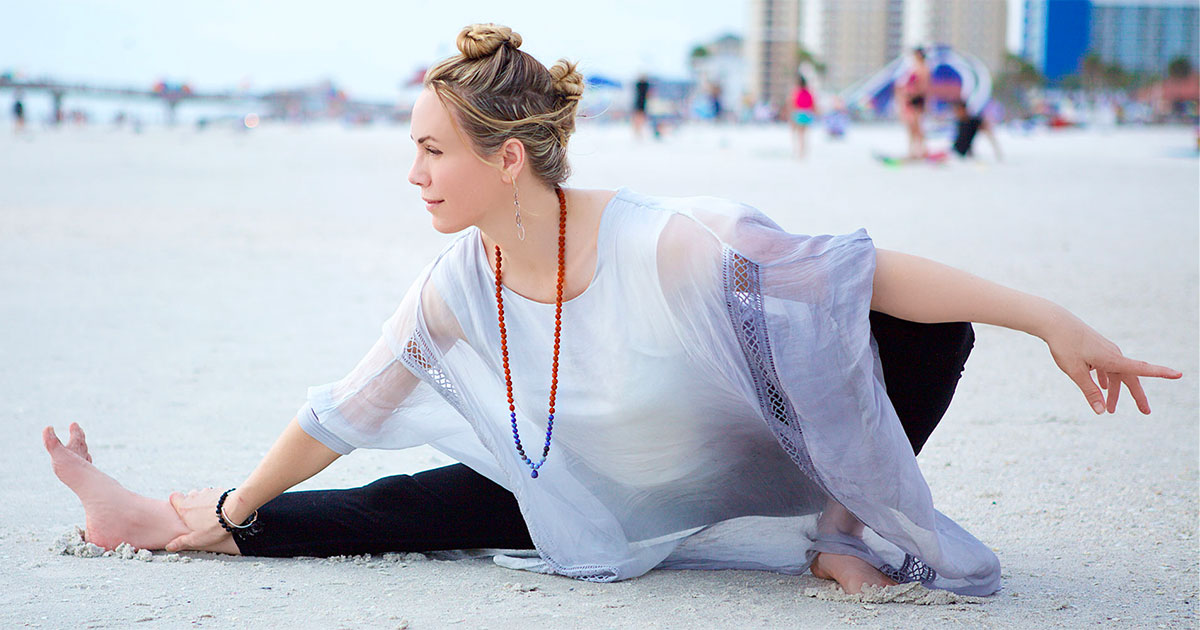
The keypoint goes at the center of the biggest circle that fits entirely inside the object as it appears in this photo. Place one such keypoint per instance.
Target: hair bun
(568, 82)
(481, 40)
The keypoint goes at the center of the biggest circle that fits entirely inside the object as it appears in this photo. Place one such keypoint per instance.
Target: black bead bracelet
(246, 529)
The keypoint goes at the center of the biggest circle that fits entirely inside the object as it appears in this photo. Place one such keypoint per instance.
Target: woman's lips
(429, 205)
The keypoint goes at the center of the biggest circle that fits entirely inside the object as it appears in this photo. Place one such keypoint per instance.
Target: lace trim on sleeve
(418, 357)
(744, 302)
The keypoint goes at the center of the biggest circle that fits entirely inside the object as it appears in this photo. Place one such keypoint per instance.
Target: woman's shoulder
(454, 267)
(687, 227)
(669, 205)
(714, 214)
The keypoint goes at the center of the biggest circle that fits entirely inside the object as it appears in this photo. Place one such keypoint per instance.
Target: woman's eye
(433, 151)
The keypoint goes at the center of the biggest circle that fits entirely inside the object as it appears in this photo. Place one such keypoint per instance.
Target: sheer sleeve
(784, 318)
(381, 403)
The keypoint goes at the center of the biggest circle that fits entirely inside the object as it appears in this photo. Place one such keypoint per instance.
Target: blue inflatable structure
(954, 75)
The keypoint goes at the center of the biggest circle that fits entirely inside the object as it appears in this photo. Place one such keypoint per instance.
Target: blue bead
(551, 416)
(533, 473)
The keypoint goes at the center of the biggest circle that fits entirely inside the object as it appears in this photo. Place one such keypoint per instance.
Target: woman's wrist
(236, 509)
(1048, 320)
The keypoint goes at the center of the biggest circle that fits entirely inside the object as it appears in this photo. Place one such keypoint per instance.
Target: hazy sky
(367, 47)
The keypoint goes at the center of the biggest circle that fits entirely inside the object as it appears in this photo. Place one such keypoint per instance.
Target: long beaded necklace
(512, 409)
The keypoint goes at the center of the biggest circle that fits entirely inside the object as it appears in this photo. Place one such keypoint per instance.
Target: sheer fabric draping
(720, 400)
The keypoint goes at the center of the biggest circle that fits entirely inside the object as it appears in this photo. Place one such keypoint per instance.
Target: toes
(50, 440)
(78, 441)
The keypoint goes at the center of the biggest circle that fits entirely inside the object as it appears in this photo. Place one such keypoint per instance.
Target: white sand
(176, 292)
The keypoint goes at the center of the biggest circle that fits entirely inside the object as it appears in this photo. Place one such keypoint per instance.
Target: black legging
(454, 507)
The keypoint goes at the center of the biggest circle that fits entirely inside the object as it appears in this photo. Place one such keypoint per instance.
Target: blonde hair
(499, 92)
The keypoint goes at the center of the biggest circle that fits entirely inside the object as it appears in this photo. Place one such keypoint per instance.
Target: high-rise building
(771, 49)
(853, 38)
(1145, 36)
(1138, 35)
(1056, 35)
(977, 27)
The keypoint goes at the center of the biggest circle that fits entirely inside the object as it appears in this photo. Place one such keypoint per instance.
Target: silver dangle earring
(517, 208)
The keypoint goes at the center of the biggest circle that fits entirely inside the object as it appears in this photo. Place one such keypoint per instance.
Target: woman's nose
(417, 175)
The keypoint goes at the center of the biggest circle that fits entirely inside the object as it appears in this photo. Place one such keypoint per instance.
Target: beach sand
(175, 292)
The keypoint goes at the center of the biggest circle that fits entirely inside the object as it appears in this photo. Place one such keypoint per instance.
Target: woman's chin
(447, 228)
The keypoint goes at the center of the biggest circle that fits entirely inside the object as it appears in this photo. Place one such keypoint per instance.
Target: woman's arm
(920, 290)
(295, 457)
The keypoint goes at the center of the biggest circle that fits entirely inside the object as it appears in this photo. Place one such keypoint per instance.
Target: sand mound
(71, 543)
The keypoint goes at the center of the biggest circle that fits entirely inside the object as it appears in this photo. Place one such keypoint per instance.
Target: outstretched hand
(1079, 350)
(198, 511)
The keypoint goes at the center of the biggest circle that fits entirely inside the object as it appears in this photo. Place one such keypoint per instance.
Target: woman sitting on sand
(713, 394)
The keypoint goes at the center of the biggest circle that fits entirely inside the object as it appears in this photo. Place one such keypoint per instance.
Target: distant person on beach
(641, 97)
(804, 114)
(837, 120)
(627, 381)
(911, 98)
(967, 127)
(714, 99)
(18, 110)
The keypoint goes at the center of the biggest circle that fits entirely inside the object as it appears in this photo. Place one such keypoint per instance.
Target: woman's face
(457, 187)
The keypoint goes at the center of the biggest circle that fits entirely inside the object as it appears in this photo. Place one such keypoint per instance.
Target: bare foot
(852, 573)
(112, 514)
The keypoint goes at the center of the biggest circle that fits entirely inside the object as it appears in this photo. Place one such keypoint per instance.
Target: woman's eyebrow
(424, 138)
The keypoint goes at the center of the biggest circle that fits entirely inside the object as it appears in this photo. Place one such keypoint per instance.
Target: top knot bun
(568, 81)
(481, 40)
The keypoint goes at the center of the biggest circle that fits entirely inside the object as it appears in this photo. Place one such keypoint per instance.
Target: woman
(804, 113)
(678, 343)
(911, 98)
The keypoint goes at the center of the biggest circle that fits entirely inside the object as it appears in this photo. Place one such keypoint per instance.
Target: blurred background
(1029, 62)
(204, 210)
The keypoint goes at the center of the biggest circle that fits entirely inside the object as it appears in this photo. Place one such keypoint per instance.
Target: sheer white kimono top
(719, 389)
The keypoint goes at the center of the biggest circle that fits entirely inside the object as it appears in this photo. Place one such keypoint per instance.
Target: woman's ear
(512, 159)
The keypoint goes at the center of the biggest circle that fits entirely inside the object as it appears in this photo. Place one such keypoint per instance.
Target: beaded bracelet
(246, 529)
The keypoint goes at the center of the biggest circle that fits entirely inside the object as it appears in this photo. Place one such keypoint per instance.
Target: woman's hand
(1079, 350)
(198, 511)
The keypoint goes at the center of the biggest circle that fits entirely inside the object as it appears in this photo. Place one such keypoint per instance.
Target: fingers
(1114, 391)
(1125, 365)
(1083, 378)
(1102, 376)
(182, 542)
(1139, 395)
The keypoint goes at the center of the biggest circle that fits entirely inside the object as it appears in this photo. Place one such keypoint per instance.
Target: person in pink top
(804, 112)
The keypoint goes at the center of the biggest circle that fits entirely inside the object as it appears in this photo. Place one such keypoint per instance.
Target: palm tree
(1179, 68)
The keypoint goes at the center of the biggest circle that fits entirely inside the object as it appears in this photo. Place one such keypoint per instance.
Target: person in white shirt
(629, 382)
